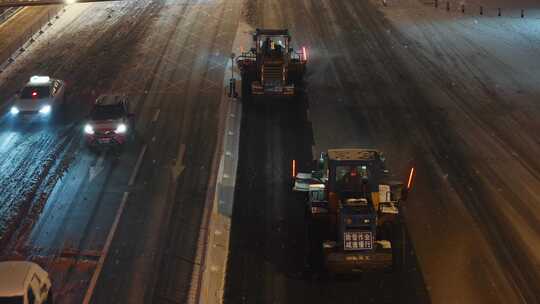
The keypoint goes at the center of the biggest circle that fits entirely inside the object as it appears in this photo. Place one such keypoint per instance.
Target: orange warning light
(409, 184)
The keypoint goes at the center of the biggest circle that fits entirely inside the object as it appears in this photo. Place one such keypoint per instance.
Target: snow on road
(483, 72)
(77, 48)
(27, 157)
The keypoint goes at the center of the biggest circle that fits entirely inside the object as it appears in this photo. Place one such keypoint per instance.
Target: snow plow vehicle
(272, 67)
(349, 192)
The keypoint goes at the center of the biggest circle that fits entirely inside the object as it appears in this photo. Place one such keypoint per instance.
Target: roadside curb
(8, 13)
(213, 274)
(209, 278)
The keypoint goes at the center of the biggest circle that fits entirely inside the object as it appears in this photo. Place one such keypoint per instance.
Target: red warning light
(411, 175)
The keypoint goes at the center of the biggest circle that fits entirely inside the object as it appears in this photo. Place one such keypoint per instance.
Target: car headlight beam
(46, 109)
(88, 129)
(121, 128)
(14, 110)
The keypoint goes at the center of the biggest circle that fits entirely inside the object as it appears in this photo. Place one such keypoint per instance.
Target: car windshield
(107, 112)
(11, 300)
(35, 92)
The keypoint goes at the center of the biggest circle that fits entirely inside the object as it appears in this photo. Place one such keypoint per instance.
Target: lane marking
(179, 167)
(97, 272)
(96, 169)
(137, 166)
(156, 116)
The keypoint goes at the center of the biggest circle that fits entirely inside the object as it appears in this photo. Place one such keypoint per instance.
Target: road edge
(208, 282)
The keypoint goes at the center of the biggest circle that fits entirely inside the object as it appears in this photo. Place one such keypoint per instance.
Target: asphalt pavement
(169, 58)
(129, 220)
(368, 85)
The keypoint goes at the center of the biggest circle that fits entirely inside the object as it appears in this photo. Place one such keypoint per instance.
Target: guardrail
(17, 3)
(479, 9)
(6, 13)
(10, 52)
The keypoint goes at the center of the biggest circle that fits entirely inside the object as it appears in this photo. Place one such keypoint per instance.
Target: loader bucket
(340, 262)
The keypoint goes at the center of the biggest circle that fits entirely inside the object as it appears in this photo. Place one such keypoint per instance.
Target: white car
(40, 96)
(24, 282)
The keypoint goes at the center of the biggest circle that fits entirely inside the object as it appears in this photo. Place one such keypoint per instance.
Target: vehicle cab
(40, 96)
(109, 122)
(24, 282)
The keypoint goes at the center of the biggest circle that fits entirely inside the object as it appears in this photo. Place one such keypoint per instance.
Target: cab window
(105, 112)
(351, 177)
(35, 92)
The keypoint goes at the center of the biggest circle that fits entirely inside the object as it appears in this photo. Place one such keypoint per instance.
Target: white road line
(156, 115)
(137, 166)
(98, 167)
(179, 167)
(105, 251)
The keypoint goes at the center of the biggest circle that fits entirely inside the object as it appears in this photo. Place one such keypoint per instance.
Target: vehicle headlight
(14, 110)
(46, 109)
(121, 128)
(88, 129)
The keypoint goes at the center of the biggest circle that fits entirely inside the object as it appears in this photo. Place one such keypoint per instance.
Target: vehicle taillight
(34, 94)
(304, 51)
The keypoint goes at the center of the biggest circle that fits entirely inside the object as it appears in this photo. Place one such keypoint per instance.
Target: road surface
(449, 94)
(169, 57)
(408, 80)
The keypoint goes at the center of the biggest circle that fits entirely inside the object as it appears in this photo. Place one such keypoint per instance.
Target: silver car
(40, 96)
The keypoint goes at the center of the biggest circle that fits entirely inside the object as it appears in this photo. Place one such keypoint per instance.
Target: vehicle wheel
(49, 298)
(58, 114)
(398, 247)
(307, 213)
(386, 232)
(247, 79)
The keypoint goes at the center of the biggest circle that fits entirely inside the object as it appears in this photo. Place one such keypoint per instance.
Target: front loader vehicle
(272, 67)
(360, 210)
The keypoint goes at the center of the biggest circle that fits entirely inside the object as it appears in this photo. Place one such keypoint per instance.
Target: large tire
(49, 298)
(247, 79)
(398, 247)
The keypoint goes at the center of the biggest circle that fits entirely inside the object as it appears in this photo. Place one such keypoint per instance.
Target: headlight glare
(88, 129)
(121, 128)
(14, 110)
(46, 109)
